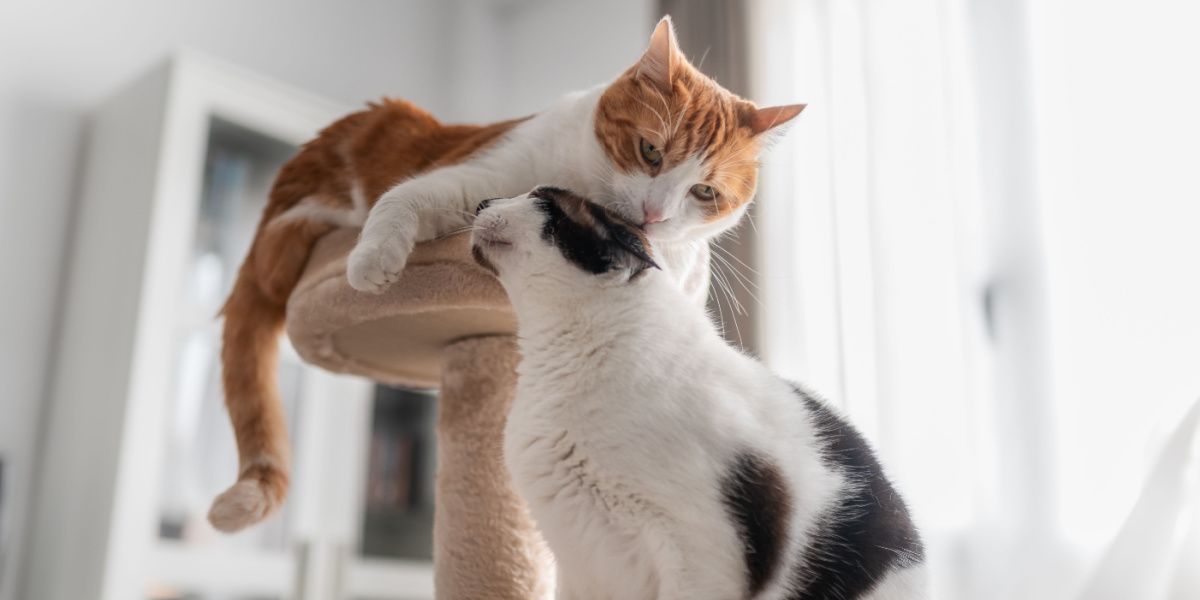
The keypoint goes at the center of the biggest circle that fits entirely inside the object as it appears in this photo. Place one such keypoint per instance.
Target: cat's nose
(483, 205)
(652, 216)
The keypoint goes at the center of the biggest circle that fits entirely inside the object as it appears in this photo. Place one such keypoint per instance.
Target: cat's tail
(249, 353)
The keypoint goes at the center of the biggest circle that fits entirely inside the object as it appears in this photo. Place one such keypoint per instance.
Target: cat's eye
(704, 192)
(652, 155)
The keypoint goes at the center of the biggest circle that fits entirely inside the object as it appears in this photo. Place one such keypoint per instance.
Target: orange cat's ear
(765, 119)
(661, 60)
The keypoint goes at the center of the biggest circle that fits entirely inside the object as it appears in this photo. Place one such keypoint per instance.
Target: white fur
(243, 504)
(629, 410)
(312, 209)
(905, 583)
(557, 147)
(247, 501)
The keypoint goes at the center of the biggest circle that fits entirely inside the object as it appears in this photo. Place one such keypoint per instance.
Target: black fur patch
(759, 504)
(484, 204)
(868, 533)
(483, 261)
(592, 238)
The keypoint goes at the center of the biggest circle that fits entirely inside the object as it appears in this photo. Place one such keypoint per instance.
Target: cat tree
(445, 324)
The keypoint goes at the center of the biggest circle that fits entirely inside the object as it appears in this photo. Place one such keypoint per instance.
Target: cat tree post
(486, 545)
(446, 323)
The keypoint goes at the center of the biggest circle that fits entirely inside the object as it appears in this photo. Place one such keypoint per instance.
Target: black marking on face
(589, 236)
(868, 533)
(481, 260)
(759, 504)
(624, 233)
(484, 204)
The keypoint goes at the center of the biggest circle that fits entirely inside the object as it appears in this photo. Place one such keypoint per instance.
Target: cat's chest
(582, 486)
(627, 450)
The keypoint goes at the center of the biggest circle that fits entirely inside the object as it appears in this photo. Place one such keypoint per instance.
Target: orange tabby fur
(373, 149)
(694, 115)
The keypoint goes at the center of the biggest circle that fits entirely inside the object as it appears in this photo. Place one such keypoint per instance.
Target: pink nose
(653, 216)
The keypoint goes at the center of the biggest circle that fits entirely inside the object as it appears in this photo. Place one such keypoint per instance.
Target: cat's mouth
(490, 240)
(481, 259)
(658, 230)
(489, 233)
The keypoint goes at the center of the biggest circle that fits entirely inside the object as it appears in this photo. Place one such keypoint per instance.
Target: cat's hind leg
(690, 566)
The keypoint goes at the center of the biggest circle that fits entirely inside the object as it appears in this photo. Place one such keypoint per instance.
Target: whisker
(737, 308)
(720, 312)
(745, 283)
(454, 232)
(702, 57)
(446, 209)
(674, 129)
(662, 121)
(734, 257)
(723, 278)
(753, 225)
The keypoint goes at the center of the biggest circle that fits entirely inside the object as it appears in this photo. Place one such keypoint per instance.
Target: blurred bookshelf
(398, 517)
(201, 456)
(177, 176)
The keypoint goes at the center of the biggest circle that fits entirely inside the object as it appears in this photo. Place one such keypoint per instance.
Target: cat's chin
(658, 234)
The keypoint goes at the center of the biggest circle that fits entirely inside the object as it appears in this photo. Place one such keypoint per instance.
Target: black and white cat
(658, 461)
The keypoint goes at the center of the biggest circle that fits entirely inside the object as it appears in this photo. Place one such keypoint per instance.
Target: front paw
(374, 265)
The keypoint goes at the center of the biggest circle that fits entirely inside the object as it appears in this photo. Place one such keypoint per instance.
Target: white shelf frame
(95, 515)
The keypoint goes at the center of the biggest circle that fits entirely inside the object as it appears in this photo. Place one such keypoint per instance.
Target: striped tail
(249, 356)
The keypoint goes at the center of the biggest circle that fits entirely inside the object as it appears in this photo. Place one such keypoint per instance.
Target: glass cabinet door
(393, 549)
(397, 518)
(359, 517)
(191, 559)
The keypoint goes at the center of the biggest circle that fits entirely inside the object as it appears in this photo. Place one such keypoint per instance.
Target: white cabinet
(137, 445)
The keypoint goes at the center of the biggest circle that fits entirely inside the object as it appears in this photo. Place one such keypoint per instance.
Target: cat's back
(368, 151)
(862, 544)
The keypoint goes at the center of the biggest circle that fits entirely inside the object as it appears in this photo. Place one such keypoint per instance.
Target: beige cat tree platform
(445, 324)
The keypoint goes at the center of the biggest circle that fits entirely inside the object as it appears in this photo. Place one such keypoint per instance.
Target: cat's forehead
(567, 212)
(698, 119)
(557, 205)
(702, 124)
(588, 235)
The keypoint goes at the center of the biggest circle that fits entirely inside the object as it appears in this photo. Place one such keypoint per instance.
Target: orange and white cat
(662, 144)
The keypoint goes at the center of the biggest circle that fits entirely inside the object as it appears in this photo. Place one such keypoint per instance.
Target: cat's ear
(662, 58)
(631, 247)
(762, 120)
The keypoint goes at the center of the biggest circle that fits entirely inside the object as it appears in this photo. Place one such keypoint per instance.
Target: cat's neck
(554, 305)
(575, 331)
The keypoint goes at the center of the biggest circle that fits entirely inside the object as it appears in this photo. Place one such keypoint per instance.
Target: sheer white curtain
(914, 243)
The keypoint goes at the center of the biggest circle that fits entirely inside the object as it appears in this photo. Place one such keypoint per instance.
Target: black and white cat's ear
(662, 58)
(633, 256)
(762, 120)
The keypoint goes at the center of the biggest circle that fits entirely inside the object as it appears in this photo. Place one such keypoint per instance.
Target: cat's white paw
(374, 265)
(240, 506)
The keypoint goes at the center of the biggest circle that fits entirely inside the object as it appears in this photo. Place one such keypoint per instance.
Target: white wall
(515, 57)
(59, 59)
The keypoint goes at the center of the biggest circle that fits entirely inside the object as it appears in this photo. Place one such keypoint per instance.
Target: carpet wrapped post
(485, 542)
